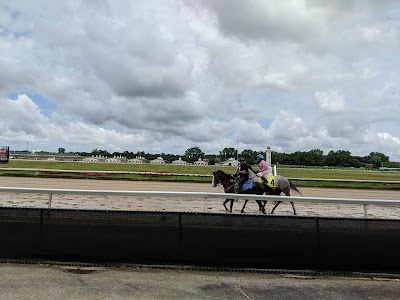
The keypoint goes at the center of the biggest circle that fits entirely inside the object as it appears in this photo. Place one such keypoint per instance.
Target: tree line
(315, 157)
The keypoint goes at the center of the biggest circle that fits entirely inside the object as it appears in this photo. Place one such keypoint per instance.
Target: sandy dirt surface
(186, 204)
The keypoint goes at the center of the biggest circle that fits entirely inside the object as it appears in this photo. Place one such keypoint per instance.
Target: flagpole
(237, 147)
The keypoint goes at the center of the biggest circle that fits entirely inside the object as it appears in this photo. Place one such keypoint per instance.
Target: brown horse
(228, 183)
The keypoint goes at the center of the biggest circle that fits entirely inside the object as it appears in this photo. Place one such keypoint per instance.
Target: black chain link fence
(203, 239)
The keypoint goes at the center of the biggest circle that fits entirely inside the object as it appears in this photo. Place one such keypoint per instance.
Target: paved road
(55, 282)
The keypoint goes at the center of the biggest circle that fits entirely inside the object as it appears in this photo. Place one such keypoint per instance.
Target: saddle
(248, 185)
(269, 181)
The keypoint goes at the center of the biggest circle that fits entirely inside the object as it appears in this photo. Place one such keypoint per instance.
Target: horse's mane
(251, 169)
(225, 174)
(252, 174)
(220, 171)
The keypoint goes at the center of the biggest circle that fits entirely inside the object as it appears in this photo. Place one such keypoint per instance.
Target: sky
(163, 76)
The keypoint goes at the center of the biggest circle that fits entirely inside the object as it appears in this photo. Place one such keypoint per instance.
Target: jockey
(243, 173)
(264, 169)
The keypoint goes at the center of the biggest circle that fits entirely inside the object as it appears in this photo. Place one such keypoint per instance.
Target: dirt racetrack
(185, 204)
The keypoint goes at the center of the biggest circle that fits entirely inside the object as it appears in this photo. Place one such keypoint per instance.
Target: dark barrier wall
(215, 240)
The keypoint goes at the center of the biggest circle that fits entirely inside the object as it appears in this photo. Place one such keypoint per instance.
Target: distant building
(386, 169)
(50, 156)
(96, 159)
(179, 162)
(90, 160)
(136, 161)
(200, 162)
(114, 160)
(230, 162)
(158, 161)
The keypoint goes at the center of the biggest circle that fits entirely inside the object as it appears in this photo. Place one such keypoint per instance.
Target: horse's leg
(287, 193)
(261, 206)
(275, 206)
(226, 201)
(244, 205)
(294, 210)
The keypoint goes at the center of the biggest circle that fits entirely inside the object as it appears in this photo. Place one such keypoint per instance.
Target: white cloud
(330, 101)
(170, 75)
(370, 34)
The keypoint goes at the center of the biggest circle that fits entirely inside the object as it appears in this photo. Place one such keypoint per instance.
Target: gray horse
(281, 184)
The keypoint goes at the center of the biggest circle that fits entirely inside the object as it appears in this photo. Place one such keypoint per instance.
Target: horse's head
(220, 177)
(216, 179)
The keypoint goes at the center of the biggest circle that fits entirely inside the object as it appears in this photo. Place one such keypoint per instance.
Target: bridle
(222, 183)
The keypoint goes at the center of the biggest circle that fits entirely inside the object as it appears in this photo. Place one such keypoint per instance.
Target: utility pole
(27, 146)
(237, 147)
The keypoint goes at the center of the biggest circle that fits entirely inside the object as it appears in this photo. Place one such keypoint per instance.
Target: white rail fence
(167, 194)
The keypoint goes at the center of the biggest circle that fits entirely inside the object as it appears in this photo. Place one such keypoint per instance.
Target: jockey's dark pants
(242, 180)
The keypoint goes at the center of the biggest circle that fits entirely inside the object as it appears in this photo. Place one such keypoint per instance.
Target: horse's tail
(294, 188)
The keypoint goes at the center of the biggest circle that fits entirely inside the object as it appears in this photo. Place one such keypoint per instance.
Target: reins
(223, 182)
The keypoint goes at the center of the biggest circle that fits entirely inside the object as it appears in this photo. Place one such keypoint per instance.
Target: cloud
(330, 102)
(170, 75)
(22, 116)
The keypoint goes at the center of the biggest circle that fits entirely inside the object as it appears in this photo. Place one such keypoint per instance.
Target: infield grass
(204, 173)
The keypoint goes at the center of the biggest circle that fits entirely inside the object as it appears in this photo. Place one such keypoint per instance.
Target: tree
(128, 155)
(250, 156)
(61, 150)
(314, 157)
(193, 154)
(169, 157)
(377, 159)
(339, 158)
(140, 154)
(278, 158)
(355, 163)
(103, 153)
(212, 159)
(227, 153)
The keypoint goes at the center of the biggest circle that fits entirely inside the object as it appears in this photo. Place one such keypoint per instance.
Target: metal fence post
(365, 210)
(50, 198)
(319, 248)
(180, 230)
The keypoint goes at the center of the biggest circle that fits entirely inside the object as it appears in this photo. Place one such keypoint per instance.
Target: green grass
(289, 172)
(190, 169)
